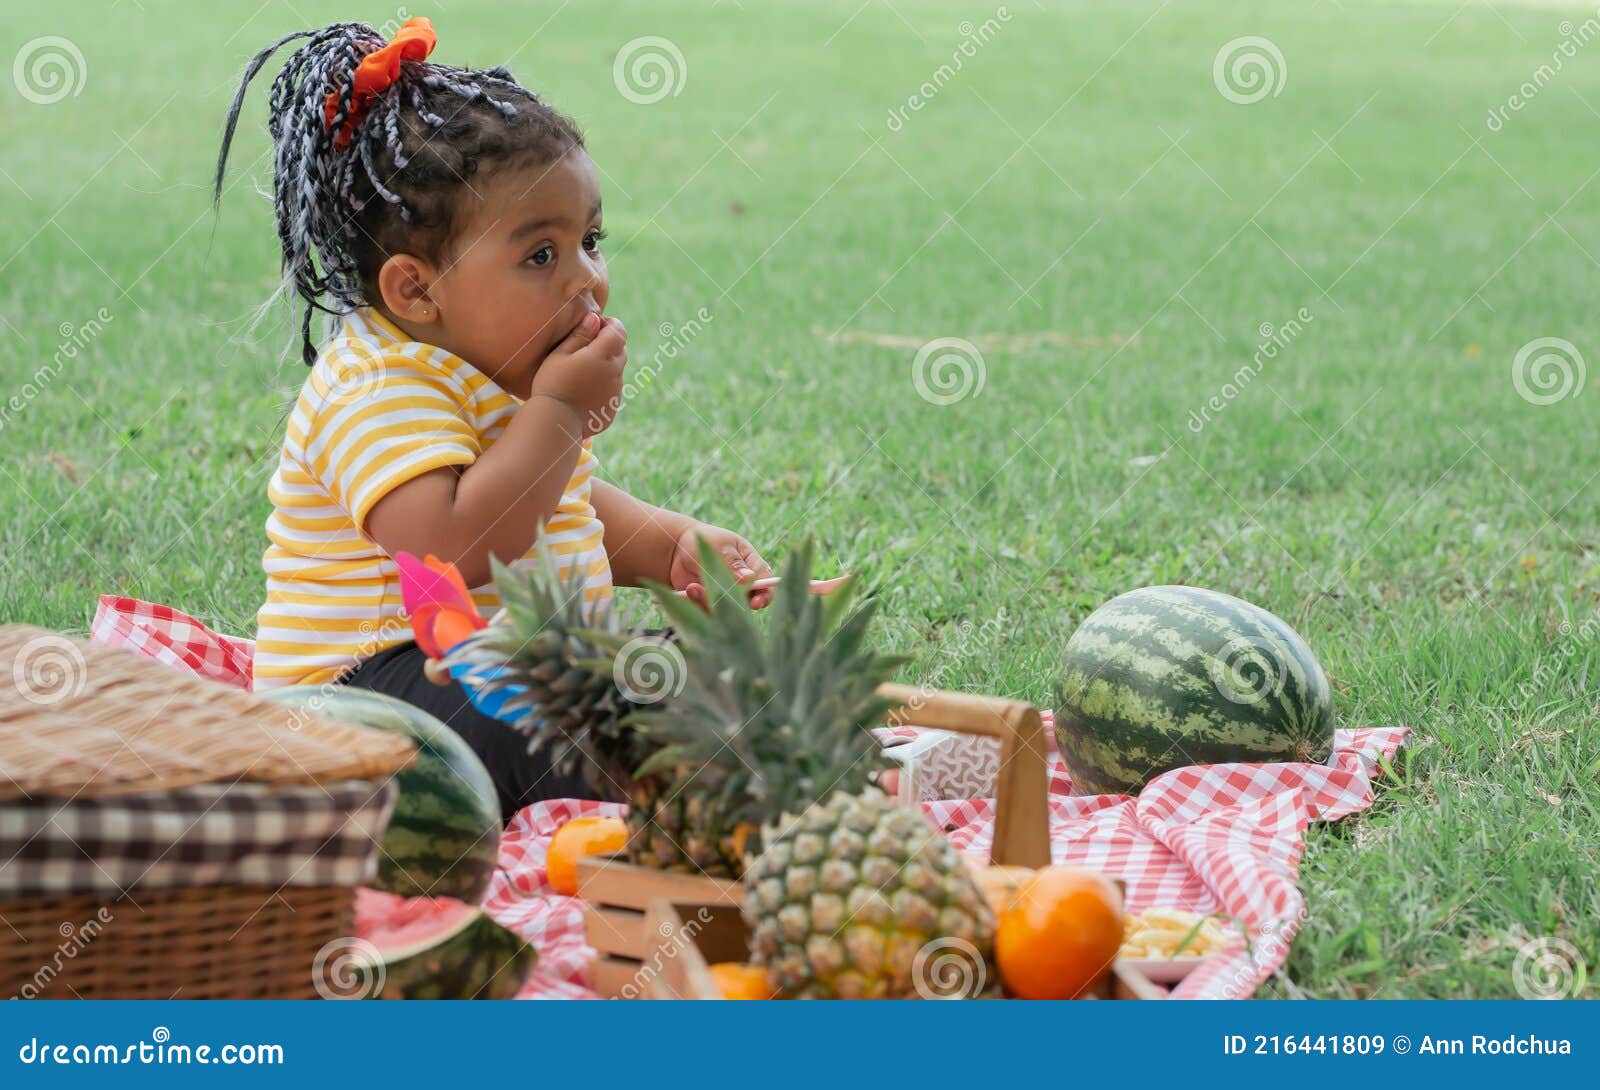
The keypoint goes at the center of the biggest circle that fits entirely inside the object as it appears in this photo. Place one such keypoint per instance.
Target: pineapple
(860, 898)
(757, 765)
(551, 643)
(766, 756)
(767, 719)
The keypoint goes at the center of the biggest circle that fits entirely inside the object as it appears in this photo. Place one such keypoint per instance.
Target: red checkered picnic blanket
(1218, 838)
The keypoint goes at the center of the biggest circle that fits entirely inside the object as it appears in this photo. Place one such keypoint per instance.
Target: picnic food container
(943, 764)
(169, 837)
(620, 894)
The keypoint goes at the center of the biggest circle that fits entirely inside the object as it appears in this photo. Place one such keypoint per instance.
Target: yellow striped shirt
(377, 410)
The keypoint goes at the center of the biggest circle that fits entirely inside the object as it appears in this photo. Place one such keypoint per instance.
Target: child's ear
(404, 282)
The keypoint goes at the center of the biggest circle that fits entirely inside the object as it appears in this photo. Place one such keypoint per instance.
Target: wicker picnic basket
(163, 836)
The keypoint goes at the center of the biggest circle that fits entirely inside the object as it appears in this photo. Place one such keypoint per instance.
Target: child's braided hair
(344, 210)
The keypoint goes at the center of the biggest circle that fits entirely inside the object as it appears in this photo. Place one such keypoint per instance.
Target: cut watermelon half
(435, 948)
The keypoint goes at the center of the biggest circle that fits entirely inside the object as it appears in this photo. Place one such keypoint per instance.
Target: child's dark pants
(519, 778)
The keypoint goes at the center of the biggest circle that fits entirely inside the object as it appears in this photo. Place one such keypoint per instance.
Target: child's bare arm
(493, 507)
(639, 537)
(644, 541)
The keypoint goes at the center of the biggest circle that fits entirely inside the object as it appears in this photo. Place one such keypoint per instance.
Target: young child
(450, 222)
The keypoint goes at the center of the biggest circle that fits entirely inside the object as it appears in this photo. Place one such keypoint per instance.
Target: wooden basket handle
(1022, 809)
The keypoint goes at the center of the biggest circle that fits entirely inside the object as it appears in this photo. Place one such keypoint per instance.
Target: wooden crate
(696, 936)
(619, 893)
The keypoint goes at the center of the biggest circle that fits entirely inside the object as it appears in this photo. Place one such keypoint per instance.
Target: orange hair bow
(376, 73)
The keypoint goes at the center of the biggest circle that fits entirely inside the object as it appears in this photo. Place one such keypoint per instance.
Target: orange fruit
(1059, 934)
(741, 980)
(577, 838)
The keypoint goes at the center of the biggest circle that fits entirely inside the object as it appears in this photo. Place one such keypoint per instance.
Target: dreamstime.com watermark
(376, 636)
(390, 27)
(49, 69)
(348, 968)
(74, 339)
(358, 370)
(949, 968)
(1572, 641)
(1549, 968)
(1267, 952)
(676, 941)
(74, 939)
(649, 669)
(1573, 38)
(947, 370)
(1547, 370)
(49, 669)
(1273, 341)
(967, 636)
(158, 1050)
(675, 339)
(649, 69)
(973, 38)
(1248, 670)
(1248, 69)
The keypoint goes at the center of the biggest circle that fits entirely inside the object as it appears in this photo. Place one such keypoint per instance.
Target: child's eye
(542, 257)
(591, 241)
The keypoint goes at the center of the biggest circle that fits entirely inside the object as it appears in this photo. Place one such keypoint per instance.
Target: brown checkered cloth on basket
(204, 834)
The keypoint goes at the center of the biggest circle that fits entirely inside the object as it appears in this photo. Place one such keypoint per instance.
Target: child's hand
(585, 371)
(740, 556)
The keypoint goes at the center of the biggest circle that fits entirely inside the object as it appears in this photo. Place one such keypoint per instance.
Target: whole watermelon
(1164, 677)
(444, 837)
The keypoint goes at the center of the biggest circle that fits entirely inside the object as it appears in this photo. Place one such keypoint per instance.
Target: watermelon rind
(1164, 677)
(475, 958)
(443, 839)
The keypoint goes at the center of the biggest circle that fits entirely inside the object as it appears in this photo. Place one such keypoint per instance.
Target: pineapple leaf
(682, 614)
(837, 604)
(795, 588)
(775, 712)
(714, 572)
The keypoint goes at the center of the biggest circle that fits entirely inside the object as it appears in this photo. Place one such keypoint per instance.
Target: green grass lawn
(1079, 201)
